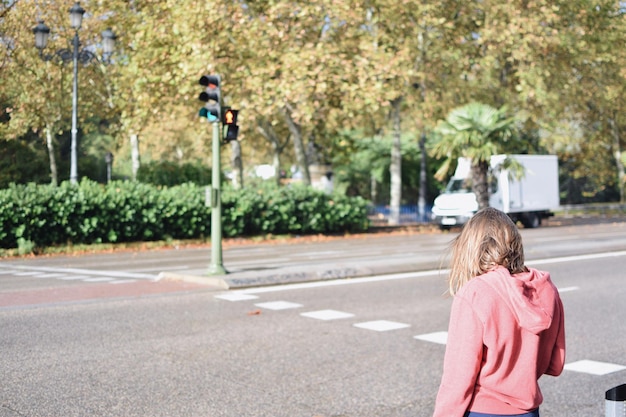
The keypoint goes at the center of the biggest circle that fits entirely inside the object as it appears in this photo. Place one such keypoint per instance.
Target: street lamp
(42, 33)
(108, 159)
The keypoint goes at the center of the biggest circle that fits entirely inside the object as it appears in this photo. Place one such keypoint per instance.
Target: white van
(527, 200)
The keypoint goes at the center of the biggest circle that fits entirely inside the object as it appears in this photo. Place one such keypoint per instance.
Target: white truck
(527, 200)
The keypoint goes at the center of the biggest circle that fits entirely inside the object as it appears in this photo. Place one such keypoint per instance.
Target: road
(297, 259)
(368, 346)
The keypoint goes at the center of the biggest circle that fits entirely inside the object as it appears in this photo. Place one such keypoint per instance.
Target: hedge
(123, 211)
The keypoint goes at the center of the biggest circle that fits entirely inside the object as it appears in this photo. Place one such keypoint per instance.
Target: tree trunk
(277, 148)
(54, 173)
(617, 154)
(134, 155)
(373, 189)
(276, 164)
(395, 168)
(236, 164)
(298, 145)
(421, 201)
(480, 187)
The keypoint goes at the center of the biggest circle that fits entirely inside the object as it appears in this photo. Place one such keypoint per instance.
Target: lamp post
(108, 159)
(42, 33)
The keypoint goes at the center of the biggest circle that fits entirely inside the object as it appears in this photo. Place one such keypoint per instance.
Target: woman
(506, 325)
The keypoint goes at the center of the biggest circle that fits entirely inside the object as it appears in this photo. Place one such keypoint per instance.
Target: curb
(214, 282)
(295, 275)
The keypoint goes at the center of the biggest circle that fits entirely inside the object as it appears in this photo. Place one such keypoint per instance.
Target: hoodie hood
(529, 295)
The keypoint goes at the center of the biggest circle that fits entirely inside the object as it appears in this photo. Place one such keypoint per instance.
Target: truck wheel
(531, 220)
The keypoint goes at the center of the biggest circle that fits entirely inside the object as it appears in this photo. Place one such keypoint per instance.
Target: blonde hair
(489, 239)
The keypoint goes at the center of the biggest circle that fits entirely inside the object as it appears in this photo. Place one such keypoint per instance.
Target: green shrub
(167, 173)
(34, 216)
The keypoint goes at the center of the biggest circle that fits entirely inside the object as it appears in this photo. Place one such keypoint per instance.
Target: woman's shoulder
(482, 281)
(481, 288)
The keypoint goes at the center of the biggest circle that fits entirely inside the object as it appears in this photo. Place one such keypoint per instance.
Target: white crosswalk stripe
(327, 315)
(381, 325)
(236, 296)
(278, 305)
(437, 337)
(593, 367)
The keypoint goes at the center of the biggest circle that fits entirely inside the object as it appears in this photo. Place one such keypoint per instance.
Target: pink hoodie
(505, 332)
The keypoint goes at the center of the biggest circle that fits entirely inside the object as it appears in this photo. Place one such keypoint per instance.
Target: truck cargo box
(528, 200)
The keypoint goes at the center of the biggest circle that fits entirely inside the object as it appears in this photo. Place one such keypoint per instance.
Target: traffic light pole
(216, 267)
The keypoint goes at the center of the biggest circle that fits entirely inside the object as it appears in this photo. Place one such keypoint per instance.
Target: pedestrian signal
(230, 117)
(230, 121)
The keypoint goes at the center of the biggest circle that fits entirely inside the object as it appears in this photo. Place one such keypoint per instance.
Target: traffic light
(212, 97)
(230, 120)
(230, 116)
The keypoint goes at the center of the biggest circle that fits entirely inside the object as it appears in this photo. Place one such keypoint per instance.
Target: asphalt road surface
(127, 345)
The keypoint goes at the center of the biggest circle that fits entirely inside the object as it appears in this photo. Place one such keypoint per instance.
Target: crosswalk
(587, 366)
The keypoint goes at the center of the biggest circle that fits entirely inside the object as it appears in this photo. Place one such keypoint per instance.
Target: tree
(155, 75)
(39, 92)
(304, 71)
(408, 67)
(265, 128)
(476, 131)
(289, 59)
(600, 84)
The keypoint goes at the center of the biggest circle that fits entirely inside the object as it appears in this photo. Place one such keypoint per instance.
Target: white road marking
(327, 315)
(117, 274)
(348, 281)
(411, 275)
(169, 268)
(436, 337)
(594, 367)
(381, 325)
(53, 275)
(26, 273)
(271, 261)
(577, 258)
(236, 296)
(66, 277)
(103, 279)
(278, 305)
(568, 289)
(74, 277)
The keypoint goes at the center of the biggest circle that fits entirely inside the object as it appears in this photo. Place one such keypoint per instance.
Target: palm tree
(475, 131)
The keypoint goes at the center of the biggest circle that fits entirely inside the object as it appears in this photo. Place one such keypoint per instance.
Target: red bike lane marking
(54, 295)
